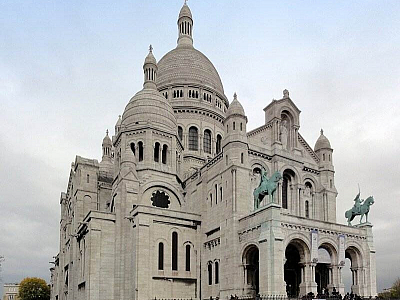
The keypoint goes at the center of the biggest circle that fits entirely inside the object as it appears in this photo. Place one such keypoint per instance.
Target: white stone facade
(169, 211)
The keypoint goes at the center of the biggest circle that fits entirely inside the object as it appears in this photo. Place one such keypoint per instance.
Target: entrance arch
(295, 254)
(250, 259)
(323, 270)
(353, 255)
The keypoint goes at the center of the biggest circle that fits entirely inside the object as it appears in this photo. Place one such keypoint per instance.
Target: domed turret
(185, 26)
(235, 108)
(148, 105)
(322, 142)
(106, 164)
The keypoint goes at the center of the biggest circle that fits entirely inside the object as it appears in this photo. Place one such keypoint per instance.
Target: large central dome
(186, 65)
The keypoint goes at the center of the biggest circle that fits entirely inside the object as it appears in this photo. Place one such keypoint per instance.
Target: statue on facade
(284, 134)
(360, 208)
(267, 186)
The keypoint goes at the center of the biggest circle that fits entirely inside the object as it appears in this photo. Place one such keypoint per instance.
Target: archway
(322, 270)
(292, 270)
(353, 256)
(251, 270)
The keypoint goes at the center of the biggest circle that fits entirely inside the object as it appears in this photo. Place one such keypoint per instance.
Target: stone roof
(186, 65)
(322, 142)
(235, 108)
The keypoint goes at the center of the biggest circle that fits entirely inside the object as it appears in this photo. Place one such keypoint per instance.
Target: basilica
(186, 203)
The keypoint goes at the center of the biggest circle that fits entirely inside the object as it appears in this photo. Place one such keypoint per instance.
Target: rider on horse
(358, 202)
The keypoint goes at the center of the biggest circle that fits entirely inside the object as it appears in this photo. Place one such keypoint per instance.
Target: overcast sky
(68, 68)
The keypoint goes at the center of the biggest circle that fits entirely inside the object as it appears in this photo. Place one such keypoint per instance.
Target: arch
(140, 149)
(180, 133)
(164, 154)
(163, 185)
(257, 163)
(250, 262)
(157, 152)
(300, 241)
(160, 256)
(355, 255)
(207, 141)
(193, 138)
(209, 269)
(218, 143)
(132, 145)
(174, 251)
(187, 257)
(290, 113)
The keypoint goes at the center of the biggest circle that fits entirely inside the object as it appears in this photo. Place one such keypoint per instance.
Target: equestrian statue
(360, 208)
(267, 187)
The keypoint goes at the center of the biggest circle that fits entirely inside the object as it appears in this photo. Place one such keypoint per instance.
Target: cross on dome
(322, 131)
(151, 48)
(185, 2)
(107, 132)
(235, 96)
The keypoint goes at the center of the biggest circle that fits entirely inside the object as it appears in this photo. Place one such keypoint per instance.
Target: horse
(364, 210)
(266, 187)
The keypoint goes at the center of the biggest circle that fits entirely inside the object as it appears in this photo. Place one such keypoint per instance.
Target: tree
(32, 288)
(1, 261)
(395, 290)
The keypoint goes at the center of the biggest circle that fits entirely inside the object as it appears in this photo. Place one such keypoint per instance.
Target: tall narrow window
(174, 251)
(241, 158)
(193, 139)
(180, 133)
(157, 152)
(211, 199)
(133, 148)
(241, 126)
(216, 272)
(187, 258)
(216, 194)
(140, 144)
(207, 141)
(209, 267)
(307, 210)
(234, 126)
(164, 154)
(87, 178)
(220, 193)
(161, 256)
(285, 192)
(218, 144)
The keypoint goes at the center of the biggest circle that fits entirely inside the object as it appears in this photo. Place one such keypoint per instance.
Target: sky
(68, 68)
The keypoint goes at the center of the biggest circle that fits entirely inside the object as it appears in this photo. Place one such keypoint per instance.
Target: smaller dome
(185, 12)
(235, 108)
(107, 140)
(322, 142)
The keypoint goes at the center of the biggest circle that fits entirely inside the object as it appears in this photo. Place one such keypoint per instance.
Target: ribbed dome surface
(107, 140)
(322, 142)
(149, 105)
(186, 65)
(185, 12)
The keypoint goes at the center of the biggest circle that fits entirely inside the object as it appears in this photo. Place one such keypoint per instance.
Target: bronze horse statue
(266, 187)
(364, 210)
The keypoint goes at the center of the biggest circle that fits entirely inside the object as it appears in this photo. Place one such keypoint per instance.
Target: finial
(151, 48)
(285, 93)
(185, 2)
(234, 96)
(322, 131)
(107, 132)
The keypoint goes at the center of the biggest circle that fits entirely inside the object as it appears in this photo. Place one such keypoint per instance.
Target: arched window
(216, 194)
(288, 176)
(227, 159)
(211, 199)
(87, 178)
(307, 209)
(193, 139)
(330, 182)
(187, 267)
(207, 141)
(323, 157)
(190, 93)
(241, 158)
(140, 144)
(174, 251)
(180, 133)
(234, 126)
(216, 272)
(133, 148)
(164, 154)
(285, 192)
(241, 126)
(181, 93)
(209, 267)
(220, 193)
(161, 256)
(157, 152)
(218, 144)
